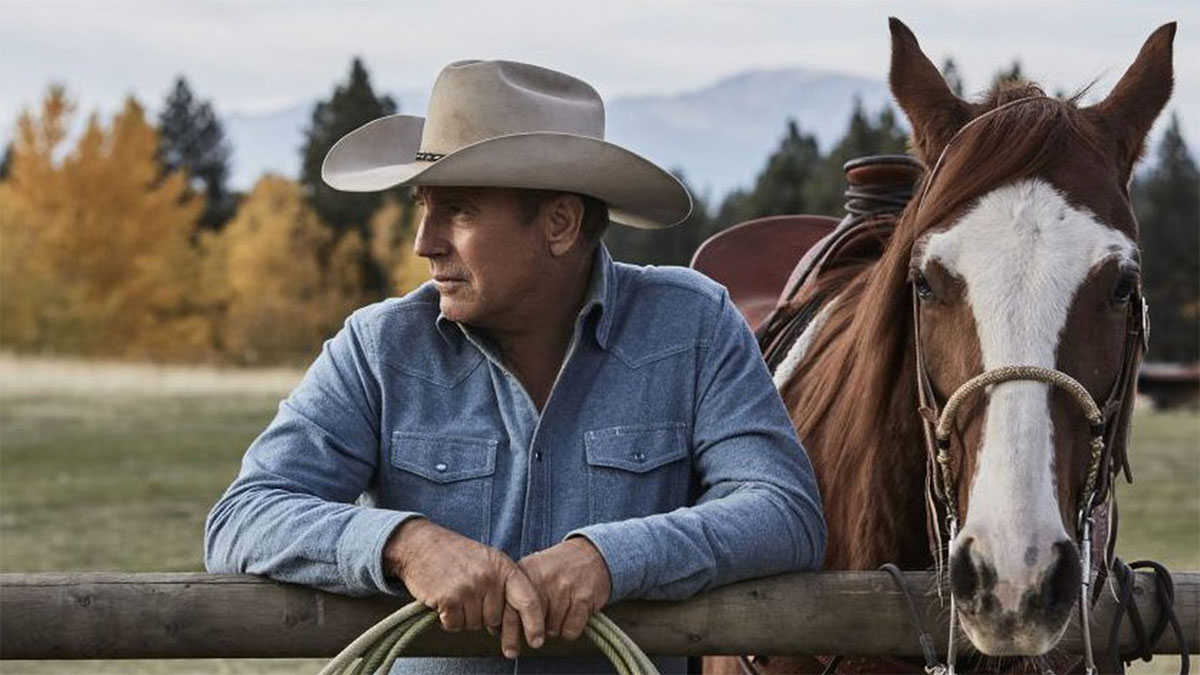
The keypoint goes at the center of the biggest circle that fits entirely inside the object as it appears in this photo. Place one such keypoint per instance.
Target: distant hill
(719, 136)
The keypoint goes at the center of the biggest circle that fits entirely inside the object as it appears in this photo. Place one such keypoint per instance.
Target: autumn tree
(280, 295)
(96, 255)
(393, 231)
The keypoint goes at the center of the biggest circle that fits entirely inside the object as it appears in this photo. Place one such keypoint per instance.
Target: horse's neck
(873, 492)
(874, 502)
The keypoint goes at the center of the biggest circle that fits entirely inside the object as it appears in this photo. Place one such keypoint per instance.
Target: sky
(259, 55)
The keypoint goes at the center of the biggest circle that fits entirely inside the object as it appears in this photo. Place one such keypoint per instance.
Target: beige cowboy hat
(507, 124)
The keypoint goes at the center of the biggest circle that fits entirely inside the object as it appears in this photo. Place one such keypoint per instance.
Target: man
(539, 431)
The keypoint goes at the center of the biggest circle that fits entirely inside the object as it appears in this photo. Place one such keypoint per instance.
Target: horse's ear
(932, 108)
(1132, 106)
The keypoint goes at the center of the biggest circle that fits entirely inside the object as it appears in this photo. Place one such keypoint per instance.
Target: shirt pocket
(636, 470)
(446, 478)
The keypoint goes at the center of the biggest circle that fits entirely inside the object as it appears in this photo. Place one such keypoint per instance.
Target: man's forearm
(754, 530)
(301, 539)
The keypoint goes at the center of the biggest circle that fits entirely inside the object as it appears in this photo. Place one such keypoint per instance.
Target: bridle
(1108, 424)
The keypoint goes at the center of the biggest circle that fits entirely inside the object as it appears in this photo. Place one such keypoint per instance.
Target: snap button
(440, 467)
(537, 454)
(639, 456)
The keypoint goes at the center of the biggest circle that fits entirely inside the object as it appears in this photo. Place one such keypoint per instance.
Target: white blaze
(1023, 252)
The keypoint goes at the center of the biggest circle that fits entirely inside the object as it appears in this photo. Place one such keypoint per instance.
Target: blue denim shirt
(663, 442)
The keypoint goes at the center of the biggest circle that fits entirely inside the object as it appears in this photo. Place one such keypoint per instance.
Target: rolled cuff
(360, 550)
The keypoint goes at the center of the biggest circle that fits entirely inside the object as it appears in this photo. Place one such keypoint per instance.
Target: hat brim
(379, 155)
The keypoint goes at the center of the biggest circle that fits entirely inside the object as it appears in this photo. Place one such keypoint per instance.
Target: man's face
(484, 257)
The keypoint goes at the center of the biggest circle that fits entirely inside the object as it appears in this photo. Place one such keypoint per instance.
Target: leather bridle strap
(1105, 423)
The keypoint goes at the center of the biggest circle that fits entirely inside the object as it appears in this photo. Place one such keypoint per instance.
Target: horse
(1019, 261)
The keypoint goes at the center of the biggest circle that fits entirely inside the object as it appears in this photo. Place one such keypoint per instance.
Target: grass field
(113, 467)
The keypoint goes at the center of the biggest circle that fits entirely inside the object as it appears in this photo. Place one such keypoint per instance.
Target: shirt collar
(601, 294)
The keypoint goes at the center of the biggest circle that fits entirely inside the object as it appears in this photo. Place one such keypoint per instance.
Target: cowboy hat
(507, 124)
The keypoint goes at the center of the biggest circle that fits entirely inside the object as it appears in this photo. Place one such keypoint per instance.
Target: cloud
(246, 55)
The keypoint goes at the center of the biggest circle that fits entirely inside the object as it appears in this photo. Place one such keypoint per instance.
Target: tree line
(132, 245)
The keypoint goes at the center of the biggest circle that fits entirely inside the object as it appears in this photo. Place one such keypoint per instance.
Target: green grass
(98, 477)
(1160, 511)
(117, 483)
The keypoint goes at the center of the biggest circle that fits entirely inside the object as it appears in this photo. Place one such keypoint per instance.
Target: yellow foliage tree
(283, 285)
(393, 230)
(96, 254)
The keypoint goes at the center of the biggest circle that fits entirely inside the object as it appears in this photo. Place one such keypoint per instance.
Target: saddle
(756, 259)
(770, 263)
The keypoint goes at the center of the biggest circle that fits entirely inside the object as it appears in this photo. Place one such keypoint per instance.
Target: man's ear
(563, 220)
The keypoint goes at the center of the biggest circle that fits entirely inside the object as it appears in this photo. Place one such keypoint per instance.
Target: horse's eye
(924, 291)
(1124, 288)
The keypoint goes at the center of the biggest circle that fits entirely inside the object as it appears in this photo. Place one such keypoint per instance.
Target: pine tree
(799, 180)
(1167, 202)
(780, 188)
(6, 161)
(352, 105)
(952, 76)
(1011, 75)
(192, 139)
(825, 192)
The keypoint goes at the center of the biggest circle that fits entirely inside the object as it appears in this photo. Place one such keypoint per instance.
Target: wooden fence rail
(135, 616)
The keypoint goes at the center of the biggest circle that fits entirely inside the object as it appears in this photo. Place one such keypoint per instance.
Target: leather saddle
(755, 259)
(768, 261)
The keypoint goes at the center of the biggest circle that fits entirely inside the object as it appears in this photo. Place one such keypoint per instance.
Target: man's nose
(428, 242)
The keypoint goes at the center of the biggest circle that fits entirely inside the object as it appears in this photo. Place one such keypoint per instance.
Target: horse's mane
(853, 399)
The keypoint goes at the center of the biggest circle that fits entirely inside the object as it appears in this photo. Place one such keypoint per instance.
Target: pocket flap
(638, 448)
(443, 459)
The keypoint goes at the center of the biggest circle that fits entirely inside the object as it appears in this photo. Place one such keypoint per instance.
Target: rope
(1006, 374)
(378, 648)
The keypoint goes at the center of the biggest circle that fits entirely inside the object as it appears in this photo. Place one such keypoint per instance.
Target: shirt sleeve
(760, 511)
(290, 513)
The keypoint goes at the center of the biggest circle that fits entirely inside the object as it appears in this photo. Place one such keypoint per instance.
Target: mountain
(719, 136)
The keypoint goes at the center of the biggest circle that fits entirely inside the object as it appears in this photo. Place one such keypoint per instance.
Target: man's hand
(467, 583)
(573, 582)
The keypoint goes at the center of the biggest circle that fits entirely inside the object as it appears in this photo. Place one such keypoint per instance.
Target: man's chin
(455, 310)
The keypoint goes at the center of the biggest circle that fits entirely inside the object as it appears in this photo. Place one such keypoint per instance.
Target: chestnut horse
(1020, 251)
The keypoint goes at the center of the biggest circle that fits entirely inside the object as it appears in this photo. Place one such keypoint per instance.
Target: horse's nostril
(1060, 586)
(964, 580)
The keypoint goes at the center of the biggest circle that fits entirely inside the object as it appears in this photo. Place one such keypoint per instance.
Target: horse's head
(1027, 257)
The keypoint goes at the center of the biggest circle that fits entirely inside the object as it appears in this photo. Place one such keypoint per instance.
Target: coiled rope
(379, 647)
